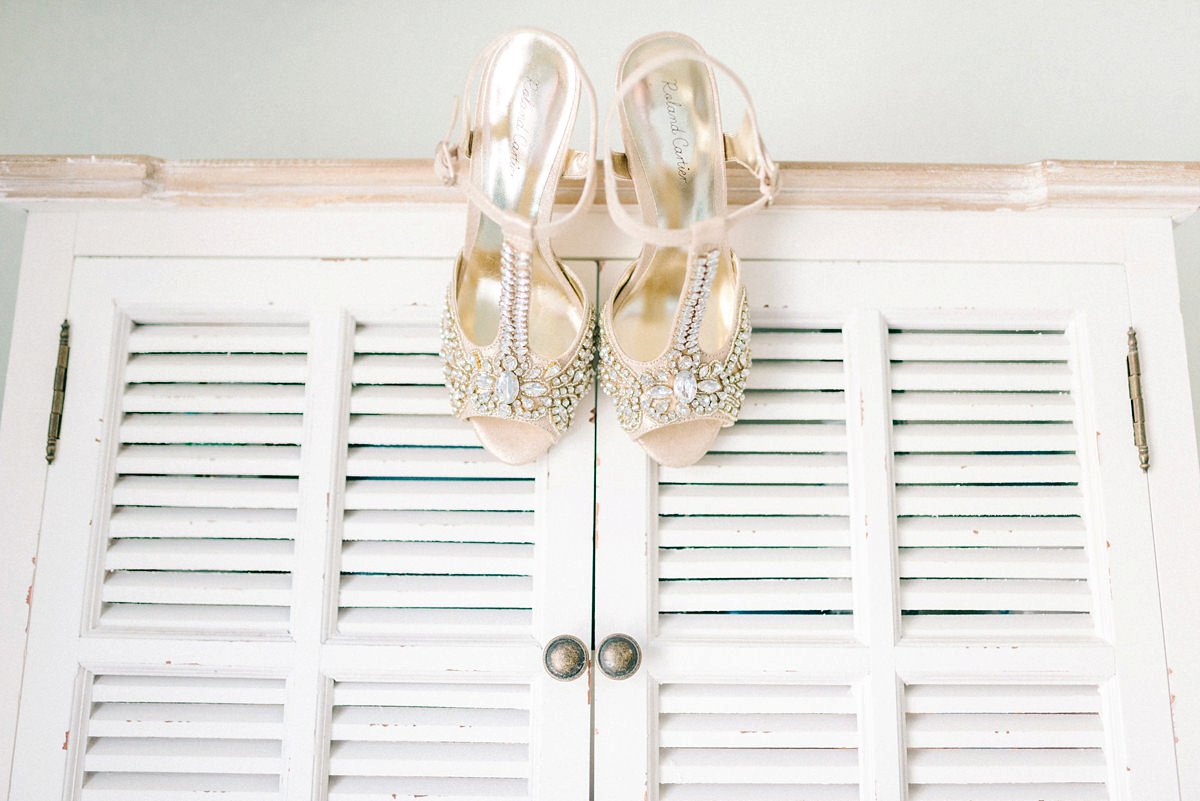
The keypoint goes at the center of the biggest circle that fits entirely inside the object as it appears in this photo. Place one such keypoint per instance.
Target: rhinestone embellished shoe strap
(507, 379)
(685, 382)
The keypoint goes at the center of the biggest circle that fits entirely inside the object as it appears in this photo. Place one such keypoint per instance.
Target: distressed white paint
(976, 263)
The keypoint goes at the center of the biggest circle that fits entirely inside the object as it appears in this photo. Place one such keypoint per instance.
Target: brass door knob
(619, 656)
(565, 657)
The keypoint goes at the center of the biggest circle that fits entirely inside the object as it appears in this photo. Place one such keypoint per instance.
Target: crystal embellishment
(507, 387)
(685, 382)
(685, 386)
(507, 379)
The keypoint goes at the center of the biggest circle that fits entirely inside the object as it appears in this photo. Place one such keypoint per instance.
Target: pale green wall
(1000, 81)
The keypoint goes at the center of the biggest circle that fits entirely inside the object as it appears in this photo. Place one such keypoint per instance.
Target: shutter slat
(378, 624)
(398, 369)
(210, 460)
(745, 468)
(792, 375)
(213, 429)
(930, 699)
(983, 438)
(203, 555)
(1004, 731)
(202, 522)
(754, 563)
(231, 338)
(751, 437)
(385, 399)
(716, 499)
(983, 406)
(417, 526)
(383, 462)
(390, 724)
(178, 787)
(753, 532)
(430, 694)
(358, 788)
(442, 592)
(212, 620)
(366, 429)
(437, 558)
(136, 755)
(756, 627)
(193, 721)
(186, 689)
(403, 338)
(755, 698)
(984, 766)
(973, 563)
(758, 792)
(795, 406)
(452, 760)
(942, 501)
(798, 345)
(752, 766)
(499, 495)
(995, 595)
(214, 398)
(757, 731)
(980, 377)
(1001, 627)
(1017, 532)
(761, 595)
(199, 368)
(976, 346)
(195, 491)
(1010, 792)
(970, 468)
(179, 587)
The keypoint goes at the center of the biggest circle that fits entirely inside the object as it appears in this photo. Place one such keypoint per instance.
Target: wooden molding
(1149, 187)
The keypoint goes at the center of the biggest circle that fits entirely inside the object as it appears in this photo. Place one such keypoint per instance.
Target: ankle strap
(745, 147)
(457, 145)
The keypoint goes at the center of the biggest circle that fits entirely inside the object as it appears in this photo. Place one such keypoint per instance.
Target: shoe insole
(676, 154)
(528, 97)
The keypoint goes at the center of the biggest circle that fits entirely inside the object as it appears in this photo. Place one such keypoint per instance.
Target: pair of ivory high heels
(517, 332)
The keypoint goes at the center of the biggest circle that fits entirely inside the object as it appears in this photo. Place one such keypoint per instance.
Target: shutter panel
(725, 742)
(282, 493)
(1012, 742)
(991, 529)
(754, 540)
(965, 435)
(203, 522)
(430, 740)
(183, 737)
(438, 536)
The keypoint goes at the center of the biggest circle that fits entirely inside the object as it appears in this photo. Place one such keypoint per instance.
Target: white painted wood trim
(1170, 188)
(41, 307)
(1174, 474)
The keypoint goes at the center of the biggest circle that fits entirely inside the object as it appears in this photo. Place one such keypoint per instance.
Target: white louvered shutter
(272, 567)
(917, 567)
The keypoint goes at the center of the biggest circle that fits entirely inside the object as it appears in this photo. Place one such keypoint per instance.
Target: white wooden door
(271, 566)
(919, 566)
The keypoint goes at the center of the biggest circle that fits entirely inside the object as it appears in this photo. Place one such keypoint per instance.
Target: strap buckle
(768, 182)
(444, 159)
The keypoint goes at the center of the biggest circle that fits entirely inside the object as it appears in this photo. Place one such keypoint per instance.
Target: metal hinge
(60, 386)
(1135, 401)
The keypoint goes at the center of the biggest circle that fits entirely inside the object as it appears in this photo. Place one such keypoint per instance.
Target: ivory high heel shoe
(675, 334)
(517, 329)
